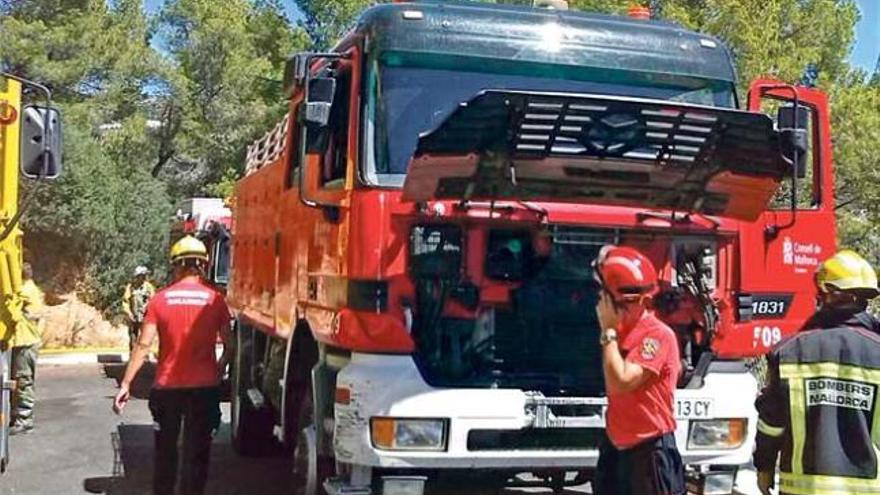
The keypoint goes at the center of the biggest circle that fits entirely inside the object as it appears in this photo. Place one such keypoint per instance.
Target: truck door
(779, 253)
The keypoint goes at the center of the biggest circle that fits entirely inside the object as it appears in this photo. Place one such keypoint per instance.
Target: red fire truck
(411, 261)
(209, 220)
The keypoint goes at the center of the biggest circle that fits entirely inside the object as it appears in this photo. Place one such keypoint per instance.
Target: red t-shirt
(646, 412)
(189, 315)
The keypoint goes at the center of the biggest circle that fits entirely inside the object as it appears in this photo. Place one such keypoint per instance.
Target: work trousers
(24, 372)
(653, 467)
(197, 411)
(134, 330)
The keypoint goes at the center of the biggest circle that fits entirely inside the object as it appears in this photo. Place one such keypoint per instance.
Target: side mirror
(220, 262)
(319, 101)
(41, 142)
(793, 127)
(295, 72)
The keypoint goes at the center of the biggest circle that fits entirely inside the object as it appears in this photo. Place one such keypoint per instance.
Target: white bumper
(383, 385)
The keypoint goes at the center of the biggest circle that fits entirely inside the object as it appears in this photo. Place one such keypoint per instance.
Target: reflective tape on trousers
(812, 484)
(769, 430)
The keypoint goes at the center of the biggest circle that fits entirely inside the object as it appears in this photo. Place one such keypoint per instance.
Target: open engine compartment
(512, 305)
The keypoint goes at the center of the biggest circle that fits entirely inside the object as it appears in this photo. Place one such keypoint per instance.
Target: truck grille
(535, 439)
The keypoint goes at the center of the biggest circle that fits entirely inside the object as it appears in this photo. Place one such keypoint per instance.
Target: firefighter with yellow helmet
(188, 316)
(819, 407)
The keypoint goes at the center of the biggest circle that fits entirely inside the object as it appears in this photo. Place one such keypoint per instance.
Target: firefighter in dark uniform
(819, 408)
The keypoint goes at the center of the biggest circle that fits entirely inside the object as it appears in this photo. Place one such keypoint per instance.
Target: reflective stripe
(797, 401)
(771, 431)
(875, 426)
(848, 371)
(813, 484)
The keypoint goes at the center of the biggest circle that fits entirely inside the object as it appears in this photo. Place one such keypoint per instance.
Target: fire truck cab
(411, 266)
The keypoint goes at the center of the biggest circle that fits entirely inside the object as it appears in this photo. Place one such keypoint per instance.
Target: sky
(864, 54)
(867, 47)
(289, 7)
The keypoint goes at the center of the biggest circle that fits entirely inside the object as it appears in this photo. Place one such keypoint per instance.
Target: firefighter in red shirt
(188, 316)
(641, 365)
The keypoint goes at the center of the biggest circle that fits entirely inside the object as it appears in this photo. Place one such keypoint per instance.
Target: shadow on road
(143, 382)
(228, 474)
(132, 465)
(132, 445)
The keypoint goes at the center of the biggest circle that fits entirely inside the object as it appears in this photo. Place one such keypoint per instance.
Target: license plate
(693, 408)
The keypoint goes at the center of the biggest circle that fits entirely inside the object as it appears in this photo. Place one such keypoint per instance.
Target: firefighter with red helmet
(641, 364)
(187, 316)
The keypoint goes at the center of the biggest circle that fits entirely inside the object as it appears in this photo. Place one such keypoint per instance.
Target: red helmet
(625, 273)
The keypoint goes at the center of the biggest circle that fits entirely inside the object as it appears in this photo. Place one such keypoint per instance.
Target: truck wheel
(309, 469)
(251, 428)
(299, 402)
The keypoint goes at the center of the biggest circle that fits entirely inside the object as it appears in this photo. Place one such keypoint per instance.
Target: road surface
(80, 446)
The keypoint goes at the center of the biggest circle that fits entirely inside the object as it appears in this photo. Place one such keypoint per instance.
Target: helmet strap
(188, 267)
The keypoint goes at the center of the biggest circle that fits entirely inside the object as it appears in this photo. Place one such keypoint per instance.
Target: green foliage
(778, 38)
(156, 109)
(230, 60)
(105, 216)
(326, 21)
(856, 130)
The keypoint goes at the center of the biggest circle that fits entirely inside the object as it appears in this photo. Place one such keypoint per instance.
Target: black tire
(251, 428)
(309, 469)
(299, 401)
(307, 463)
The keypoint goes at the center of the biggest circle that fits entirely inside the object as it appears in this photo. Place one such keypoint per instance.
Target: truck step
(336, 486)
(256, 398)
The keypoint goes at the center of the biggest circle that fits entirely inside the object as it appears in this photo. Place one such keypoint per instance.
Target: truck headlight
(716, 434)
(408, 434)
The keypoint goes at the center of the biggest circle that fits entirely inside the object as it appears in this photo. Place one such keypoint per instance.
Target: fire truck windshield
(405, 102)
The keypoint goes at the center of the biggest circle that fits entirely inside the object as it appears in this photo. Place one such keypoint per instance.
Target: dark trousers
(197, 410)
(134, 331)
(652, 467)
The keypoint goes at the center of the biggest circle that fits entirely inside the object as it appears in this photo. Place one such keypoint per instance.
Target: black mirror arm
(305, 75)
(772, 231)
(306, 64)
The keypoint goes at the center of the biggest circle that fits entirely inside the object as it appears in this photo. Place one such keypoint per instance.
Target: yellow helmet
(847, 271)
(188, 248)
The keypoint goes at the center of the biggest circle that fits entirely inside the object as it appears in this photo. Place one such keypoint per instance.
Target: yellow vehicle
(30, 146)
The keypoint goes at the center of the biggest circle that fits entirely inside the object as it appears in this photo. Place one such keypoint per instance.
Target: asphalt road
(79, 445)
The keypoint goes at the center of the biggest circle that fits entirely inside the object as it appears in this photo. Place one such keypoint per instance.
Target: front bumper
(496, 429)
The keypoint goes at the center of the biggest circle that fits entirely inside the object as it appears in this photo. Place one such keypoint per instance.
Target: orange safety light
(8, 114)
(639, 12)
(343, 396)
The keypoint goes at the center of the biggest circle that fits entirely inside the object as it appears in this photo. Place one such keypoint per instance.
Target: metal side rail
(6, 387)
